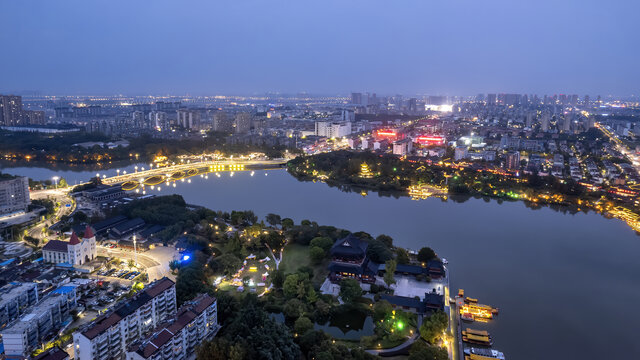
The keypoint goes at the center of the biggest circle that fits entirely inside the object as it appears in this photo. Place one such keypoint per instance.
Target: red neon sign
(430, 140)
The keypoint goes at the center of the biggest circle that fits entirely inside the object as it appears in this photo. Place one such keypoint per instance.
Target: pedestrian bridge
(177, 172)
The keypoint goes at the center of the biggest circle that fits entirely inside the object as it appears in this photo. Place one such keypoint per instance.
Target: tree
(402, 257)
(293, 308)
(277, 278)
(131, 264)
(378, 251)
(426, 254)
(251, 334)
(389, 272)
(287, 223)
(273, 219)
(381, 309)
(423, 351)
(322, 242)
(350, 290)
(432, 329)
(302, 325)
(274, 241)
(385, 239)
(316, 254)
(291, 285)
(226, 264)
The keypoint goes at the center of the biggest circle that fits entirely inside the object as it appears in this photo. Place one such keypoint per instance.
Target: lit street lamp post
(55, 178)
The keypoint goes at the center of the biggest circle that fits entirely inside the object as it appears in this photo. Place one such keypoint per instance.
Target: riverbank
(423, 179)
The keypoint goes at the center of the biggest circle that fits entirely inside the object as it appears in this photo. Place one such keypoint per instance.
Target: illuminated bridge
(176, 172)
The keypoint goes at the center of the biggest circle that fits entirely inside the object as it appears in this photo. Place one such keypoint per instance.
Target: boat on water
(466, 317)
(482, 354)
(477, 338)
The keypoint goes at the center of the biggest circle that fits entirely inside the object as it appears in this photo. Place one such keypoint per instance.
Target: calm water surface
(566, 285)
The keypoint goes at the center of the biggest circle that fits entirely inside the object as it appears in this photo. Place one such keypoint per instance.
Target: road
(67, 206)
(155, 261)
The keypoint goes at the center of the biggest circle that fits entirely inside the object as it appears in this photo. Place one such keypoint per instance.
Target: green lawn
(295, 256)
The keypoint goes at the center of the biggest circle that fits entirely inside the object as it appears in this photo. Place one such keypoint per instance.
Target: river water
(566, 285)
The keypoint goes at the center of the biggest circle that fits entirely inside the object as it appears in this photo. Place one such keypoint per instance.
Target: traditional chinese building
(349, 260)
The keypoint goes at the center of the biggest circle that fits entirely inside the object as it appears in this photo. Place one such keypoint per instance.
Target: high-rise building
(158, 120)
(513, 160)
(34, 117)
(196, 321)
(586, 101)
(544, 121)
(566, 125)
(14, 195)
(222, 123)
(189, 119)
(356, 98)
(491, 99)
(11, 110)
(529, 121)
(138, 119)
(242, 123)
(108, 336)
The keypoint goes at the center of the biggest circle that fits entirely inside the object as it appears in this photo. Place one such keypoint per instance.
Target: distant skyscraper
(138, 119)
(529, 121)
(356, 98)
(566, 125)
(491, 99)
(586, 101)
(574, 100)
(189, 119)
(158, 120)
(222, 123)
(242, 123)
(544, 121)
(11, 110)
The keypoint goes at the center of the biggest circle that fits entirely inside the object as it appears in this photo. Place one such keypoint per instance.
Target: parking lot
(122, 274)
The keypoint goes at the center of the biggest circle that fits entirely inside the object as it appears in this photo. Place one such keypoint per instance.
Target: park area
(253, 276)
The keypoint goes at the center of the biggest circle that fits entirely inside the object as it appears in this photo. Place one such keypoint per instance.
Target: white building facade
(109, 335)
(196, 321)
(74, 251)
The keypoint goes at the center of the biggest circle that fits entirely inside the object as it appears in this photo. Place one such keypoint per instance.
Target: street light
(136, 167)
(134, 249)
(55, 178)
(118, 171)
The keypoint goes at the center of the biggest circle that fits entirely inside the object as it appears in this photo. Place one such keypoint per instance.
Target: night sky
(453, 47)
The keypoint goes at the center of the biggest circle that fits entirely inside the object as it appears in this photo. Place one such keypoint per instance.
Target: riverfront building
(74, 251)
(14, 195)
(196, 321)
(109, 335)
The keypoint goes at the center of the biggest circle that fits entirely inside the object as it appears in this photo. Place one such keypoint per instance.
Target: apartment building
(177, 339)
(15, 299)
(110, 334)
(41, 323)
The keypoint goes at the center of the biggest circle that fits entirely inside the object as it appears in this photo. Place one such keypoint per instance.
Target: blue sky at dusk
(208, 47)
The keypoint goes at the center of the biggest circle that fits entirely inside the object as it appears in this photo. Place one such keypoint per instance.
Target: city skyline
(252, 48)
